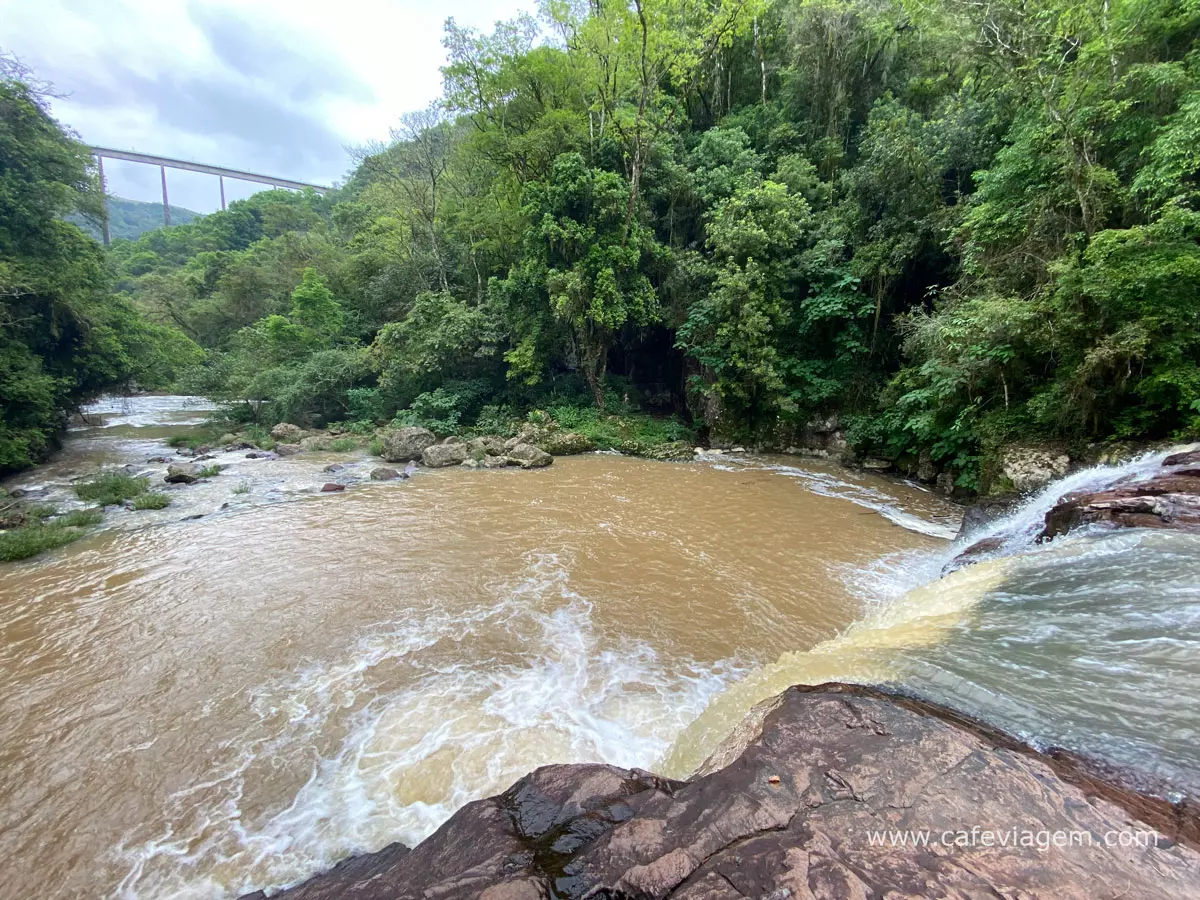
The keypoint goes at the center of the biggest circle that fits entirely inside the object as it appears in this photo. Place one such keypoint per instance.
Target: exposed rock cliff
(798, 804)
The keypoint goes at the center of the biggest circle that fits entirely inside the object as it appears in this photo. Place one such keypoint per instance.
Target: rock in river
(383, 473)
(441, 455)
(566, 443)
(408, 443)
(1167, 500)
(332, 487)
(287, 433)
(799, 804)
(489, 444)
(527, 456)
(487, 462)
(182, 473)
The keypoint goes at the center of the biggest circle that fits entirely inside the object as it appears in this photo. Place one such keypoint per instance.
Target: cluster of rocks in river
(414, 444)
(800, 803)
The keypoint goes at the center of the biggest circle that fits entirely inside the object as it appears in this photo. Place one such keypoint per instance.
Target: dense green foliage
(955, 224)
(64, 336)
(130, 219)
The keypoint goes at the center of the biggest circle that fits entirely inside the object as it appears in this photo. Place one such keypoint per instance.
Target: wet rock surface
(384, 473)
(791, 807)
(985, 511)
(1170, 498)
(182, 473)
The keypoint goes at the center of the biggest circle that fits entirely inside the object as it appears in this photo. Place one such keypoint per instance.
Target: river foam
(410, 756)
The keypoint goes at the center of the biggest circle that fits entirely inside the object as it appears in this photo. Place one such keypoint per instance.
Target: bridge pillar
(104, 199)
(221, 178)
(166, 203)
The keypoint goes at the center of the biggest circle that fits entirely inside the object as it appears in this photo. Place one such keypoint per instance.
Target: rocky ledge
(800, 803)
(1170, 498)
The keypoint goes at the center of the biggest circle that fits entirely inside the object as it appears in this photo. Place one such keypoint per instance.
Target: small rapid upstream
(202, 707)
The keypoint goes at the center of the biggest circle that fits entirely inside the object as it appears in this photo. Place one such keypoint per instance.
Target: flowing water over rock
(202, 707)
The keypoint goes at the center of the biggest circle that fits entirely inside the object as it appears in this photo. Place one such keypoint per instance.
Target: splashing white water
(414, 752)
(826, 484)
(1018, 530)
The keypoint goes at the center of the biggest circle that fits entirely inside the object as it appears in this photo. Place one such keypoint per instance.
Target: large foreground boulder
(836, 791)
(406, 444)
(441, 455)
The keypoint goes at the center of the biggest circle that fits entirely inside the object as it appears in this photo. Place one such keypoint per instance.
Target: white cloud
(273, 86)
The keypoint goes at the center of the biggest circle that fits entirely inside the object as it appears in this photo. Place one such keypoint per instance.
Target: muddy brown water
(203, 707)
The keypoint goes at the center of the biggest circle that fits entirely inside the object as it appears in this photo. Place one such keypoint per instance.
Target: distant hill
(132, 218)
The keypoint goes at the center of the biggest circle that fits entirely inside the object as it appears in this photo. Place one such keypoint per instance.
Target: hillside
(130, 219)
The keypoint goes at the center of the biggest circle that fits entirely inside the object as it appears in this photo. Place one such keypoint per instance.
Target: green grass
(344, 444)
(109, 490)
(375, 448)
(210, 471)
(151, 500)
(31, 540)
(79, 518)
(627, 430)
(242, 488)
(41, 511)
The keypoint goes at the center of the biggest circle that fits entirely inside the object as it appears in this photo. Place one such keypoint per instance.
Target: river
(198, 707)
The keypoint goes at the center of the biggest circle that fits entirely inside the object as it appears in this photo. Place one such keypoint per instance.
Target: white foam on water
(455, 728)
(828, 485)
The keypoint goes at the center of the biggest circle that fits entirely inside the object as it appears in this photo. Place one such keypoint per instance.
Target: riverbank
(828, 792)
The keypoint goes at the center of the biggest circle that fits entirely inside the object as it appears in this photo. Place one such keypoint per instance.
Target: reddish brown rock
(1187, 458)
(1170, 500)
(803, 809)
(330, 487)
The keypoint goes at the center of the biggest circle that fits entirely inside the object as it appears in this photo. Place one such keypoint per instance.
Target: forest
(953, 224)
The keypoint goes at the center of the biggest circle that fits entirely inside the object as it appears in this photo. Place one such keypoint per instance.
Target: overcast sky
(279, 87)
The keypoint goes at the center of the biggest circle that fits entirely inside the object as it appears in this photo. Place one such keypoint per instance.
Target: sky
(279, 87)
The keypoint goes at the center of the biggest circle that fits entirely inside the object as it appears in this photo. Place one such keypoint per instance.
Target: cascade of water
(1018, 530)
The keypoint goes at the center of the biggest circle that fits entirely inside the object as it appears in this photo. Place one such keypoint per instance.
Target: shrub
(151, 500)
(31, 540)
(111, 489)
(495, 420)
(344, 444)
(375, 448)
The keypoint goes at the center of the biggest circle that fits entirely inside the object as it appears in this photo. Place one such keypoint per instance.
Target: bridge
(164, 163)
